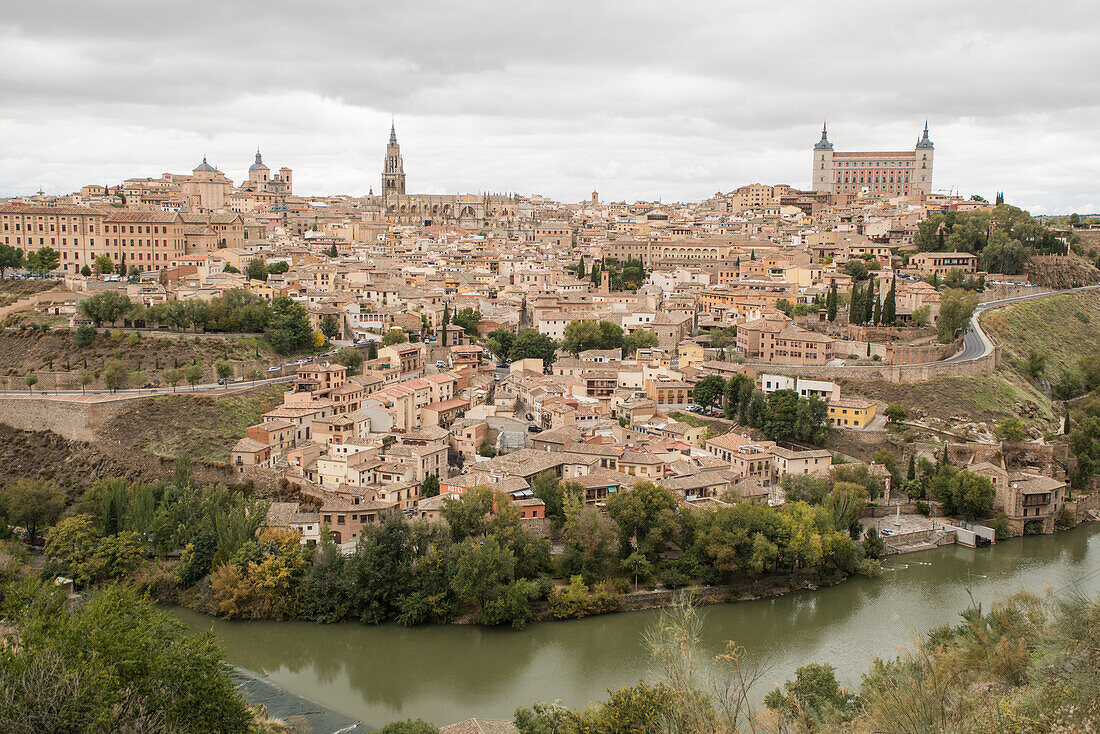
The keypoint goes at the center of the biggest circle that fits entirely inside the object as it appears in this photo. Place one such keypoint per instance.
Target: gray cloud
(637, 99)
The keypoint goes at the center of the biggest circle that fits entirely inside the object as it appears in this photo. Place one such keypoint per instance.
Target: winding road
(976, 344)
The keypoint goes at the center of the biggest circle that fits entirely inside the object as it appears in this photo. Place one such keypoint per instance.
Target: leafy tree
(963, 494)
(172, 376)
(731, 393)
(85, 271)
(857, 269)
(781, 415)
(646, 518)
(922, 316)
(430, 486)
(1011, 429)
(468, 319)
(805, 488)
(256, 269)
(113, 372)
(84, 335)
(106, 307)
(224, 370)
(581, 336)
(278, 268)
(87, 377)
(895, 413)
(117, 663)
(636, 565)
(1036, 363)
(193, 374)
(372, 350)
(252, 374)
(103, 264)
(530, 344)
(330, 326)
(10, 257)
(43, 260)
(481, 569)
(708, 390)
(33, 503)
(31, 379)
(351, 358)
(956, 308)
(873, 544)
(552, 492)
(639, 339)
(88, 557)
(587, 541)
(239, 310)
(499, 342)
(394, 336)
(288, 328)
(812, 697)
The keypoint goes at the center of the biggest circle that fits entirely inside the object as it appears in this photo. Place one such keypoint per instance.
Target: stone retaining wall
(746, 590)
(902, 373)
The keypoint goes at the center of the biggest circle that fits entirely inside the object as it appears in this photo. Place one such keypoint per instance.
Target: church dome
(259, 164)
(204, 166)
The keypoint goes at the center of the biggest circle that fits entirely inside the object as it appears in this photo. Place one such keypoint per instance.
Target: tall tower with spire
(393, 169)
(822, 176)
(922, 168)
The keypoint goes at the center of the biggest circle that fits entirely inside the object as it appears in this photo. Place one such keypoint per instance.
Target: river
(449, 673)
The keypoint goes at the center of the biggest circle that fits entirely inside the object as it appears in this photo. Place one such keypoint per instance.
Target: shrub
(924, 508)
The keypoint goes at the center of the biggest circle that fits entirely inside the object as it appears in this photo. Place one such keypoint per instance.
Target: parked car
(276, 368)
(534, 429)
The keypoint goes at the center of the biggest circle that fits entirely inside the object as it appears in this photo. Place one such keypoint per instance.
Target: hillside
(202, 426)
(1062, 328)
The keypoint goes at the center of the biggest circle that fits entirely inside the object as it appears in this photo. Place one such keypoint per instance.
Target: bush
(924, 508)
(1000, 526)
(84, 335)
(575, 601)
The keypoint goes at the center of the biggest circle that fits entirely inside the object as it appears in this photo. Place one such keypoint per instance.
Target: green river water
(449, 673)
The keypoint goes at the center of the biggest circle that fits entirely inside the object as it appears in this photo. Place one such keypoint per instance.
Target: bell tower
(393, 169)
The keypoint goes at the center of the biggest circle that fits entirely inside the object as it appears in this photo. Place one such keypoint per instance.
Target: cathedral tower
(393, 170)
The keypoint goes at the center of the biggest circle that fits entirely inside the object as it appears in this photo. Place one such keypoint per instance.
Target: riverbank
(292, 709)
(448, 673)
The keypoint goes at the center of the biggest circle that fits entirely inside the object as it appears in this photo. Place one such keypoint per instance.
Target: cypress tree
(580, 267)
(830, 302)
(889, 306)
(944, 461)
(446, 322)
(912, 473)
(877, 316)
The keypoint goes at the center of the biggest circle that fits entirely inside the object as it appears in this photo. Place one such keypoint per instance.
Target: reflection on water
(446, 674)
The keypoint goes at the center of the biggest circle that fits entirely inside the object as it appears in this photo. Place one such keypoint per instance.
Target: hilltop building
(892, 173)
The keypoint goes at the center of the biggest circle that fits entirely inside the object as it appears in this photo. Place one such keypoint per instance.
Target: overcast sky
(638, 100)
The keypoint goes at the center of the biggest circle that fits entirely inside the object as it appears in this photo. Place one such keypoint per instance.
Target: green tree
(224, 370)
(646, 519)
(106, 307)
(530, 344)
(731, 393)
(85, 271)
(895, 413)
(31, 379)
(857, 269)
(1011, 429)
(956, 308)
(10, 257)
(172, 376)
(430, 486)
(639, 339)
(351, 358)
(288, 328)
(873, 545)
(394, 336)
(330, 326)
(636, 565)
(1036, 363)
(889, 305)
(831, 302)
(587, 541)
(84, 335)
(43, 260)
(87, 377)
(113, 372)
(814, 696)
(708, 390)
(446, 323)
(481, 569)
(117, 663)
(499, 342)
(193, 374)
(781, 415)
(372, 350)
(468, 319)
(33, 503)
(579, 272)
(256, 269)
(582, 335)
(89, 557)
(278, 268)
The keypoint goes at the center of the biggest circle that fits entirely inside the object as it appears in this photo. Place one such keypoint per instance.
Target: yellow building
(262, 289)
(851, 412)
